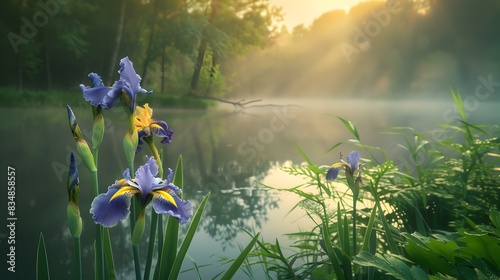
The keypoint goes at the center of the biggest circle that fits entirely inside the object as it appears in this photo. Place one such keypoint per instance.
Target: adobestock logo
(29, 29)
(257, 143)
(471, 103)
(371, 29)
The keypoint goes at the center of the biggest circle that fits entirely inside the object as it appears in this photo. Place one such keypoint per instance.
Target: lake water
(225, 151)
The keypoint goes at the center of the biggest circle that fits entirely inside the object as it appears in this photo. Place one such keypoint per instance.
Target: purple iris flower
(113, 206)
(350, 166)
(126, 88)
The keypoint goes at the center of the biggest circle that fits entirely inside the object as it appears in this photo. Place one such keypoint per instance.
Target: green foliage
(172, 231)
(29, 98)
(393, 265)
(240, 259)
(448, 183)
(176, 266)
(42, 263)
(461, 255)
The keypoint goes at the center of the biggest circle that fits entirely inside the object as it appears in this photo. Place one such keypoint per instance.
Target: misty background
(235, 49)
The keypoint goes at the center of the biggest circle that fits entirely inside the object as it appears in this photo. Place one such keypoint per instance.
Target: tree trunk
(199, 63)
(47, 60)
(163, 69)
(118, 40)
(150, 43)
(213, 68)
(20, 71)
(202, 49)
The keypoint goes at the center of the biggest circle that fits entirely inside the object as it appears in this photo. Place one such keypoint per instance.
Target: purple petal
(353, 160)
(126, 174)
(170, 175)
(162, 130)
(108, 213)
(145, 176)
(72, 176)
(169, 187)
(332, 174)
(130, 77)
(95, 80)
(98, 96)
(143, 133)
(182, 212)
(113, 95)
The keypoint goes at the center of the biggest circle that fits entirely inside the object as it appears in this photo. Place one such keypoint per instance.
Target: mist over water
(379, 49)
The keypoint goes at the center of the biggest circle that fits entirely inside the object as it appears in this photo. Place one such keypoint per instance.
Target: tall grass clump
(434, 216)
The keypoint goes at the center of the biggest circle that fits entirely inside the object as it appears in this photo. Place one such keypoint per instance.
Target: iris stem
(160, 237)
(99, 252)
(151, 247)
(156, 154)
(78, 256)
(135, 248)
(159, 161)
(354, 202)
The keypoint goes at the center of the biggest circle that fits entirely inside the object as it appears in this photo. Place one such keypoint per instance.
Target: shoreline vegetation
(10, 97)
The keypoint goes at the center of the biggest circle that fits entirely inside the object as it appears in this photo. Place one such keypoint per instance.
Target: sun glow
(304, 12)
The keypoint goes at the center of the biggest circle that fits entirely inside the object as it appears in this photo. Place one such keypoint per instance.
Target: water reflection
(225, 152)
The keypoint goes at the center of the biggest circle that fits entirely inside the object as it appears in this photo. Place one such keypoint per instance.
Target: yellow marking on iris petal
(154, 125)
(166, 196)
(338, 164)
(123, 191)
(121, 182)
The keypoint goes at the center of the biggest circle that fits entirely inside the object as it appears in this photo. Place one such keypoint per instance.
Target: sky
(305, 11)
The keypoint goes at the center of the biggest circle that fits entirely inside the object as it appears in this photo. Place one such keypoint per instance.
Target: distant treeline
(226, 47)
(176, 45)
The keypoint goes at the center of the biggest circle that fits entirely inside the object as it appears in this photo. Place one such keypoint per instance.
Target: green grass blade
(240, 259)
(387, 229)
(179, 174)
(304, 156)
(151, 247)
(176, 267)
(42, 262)
(171, 239)
(334, 146)
(330, 252)
(351, 127)
(369, 229)
(108, 255)
(460, 106)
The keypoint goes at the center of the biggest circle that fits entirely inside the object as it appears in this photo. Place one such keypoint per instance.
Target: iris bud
(84, 151)
(98, 131)
(74, 219)
(138, 229)
(130, 142)
(73, 124)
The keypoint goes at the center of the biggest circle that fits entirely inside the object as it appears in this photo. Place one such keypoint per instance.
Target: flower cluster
(114, 205)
